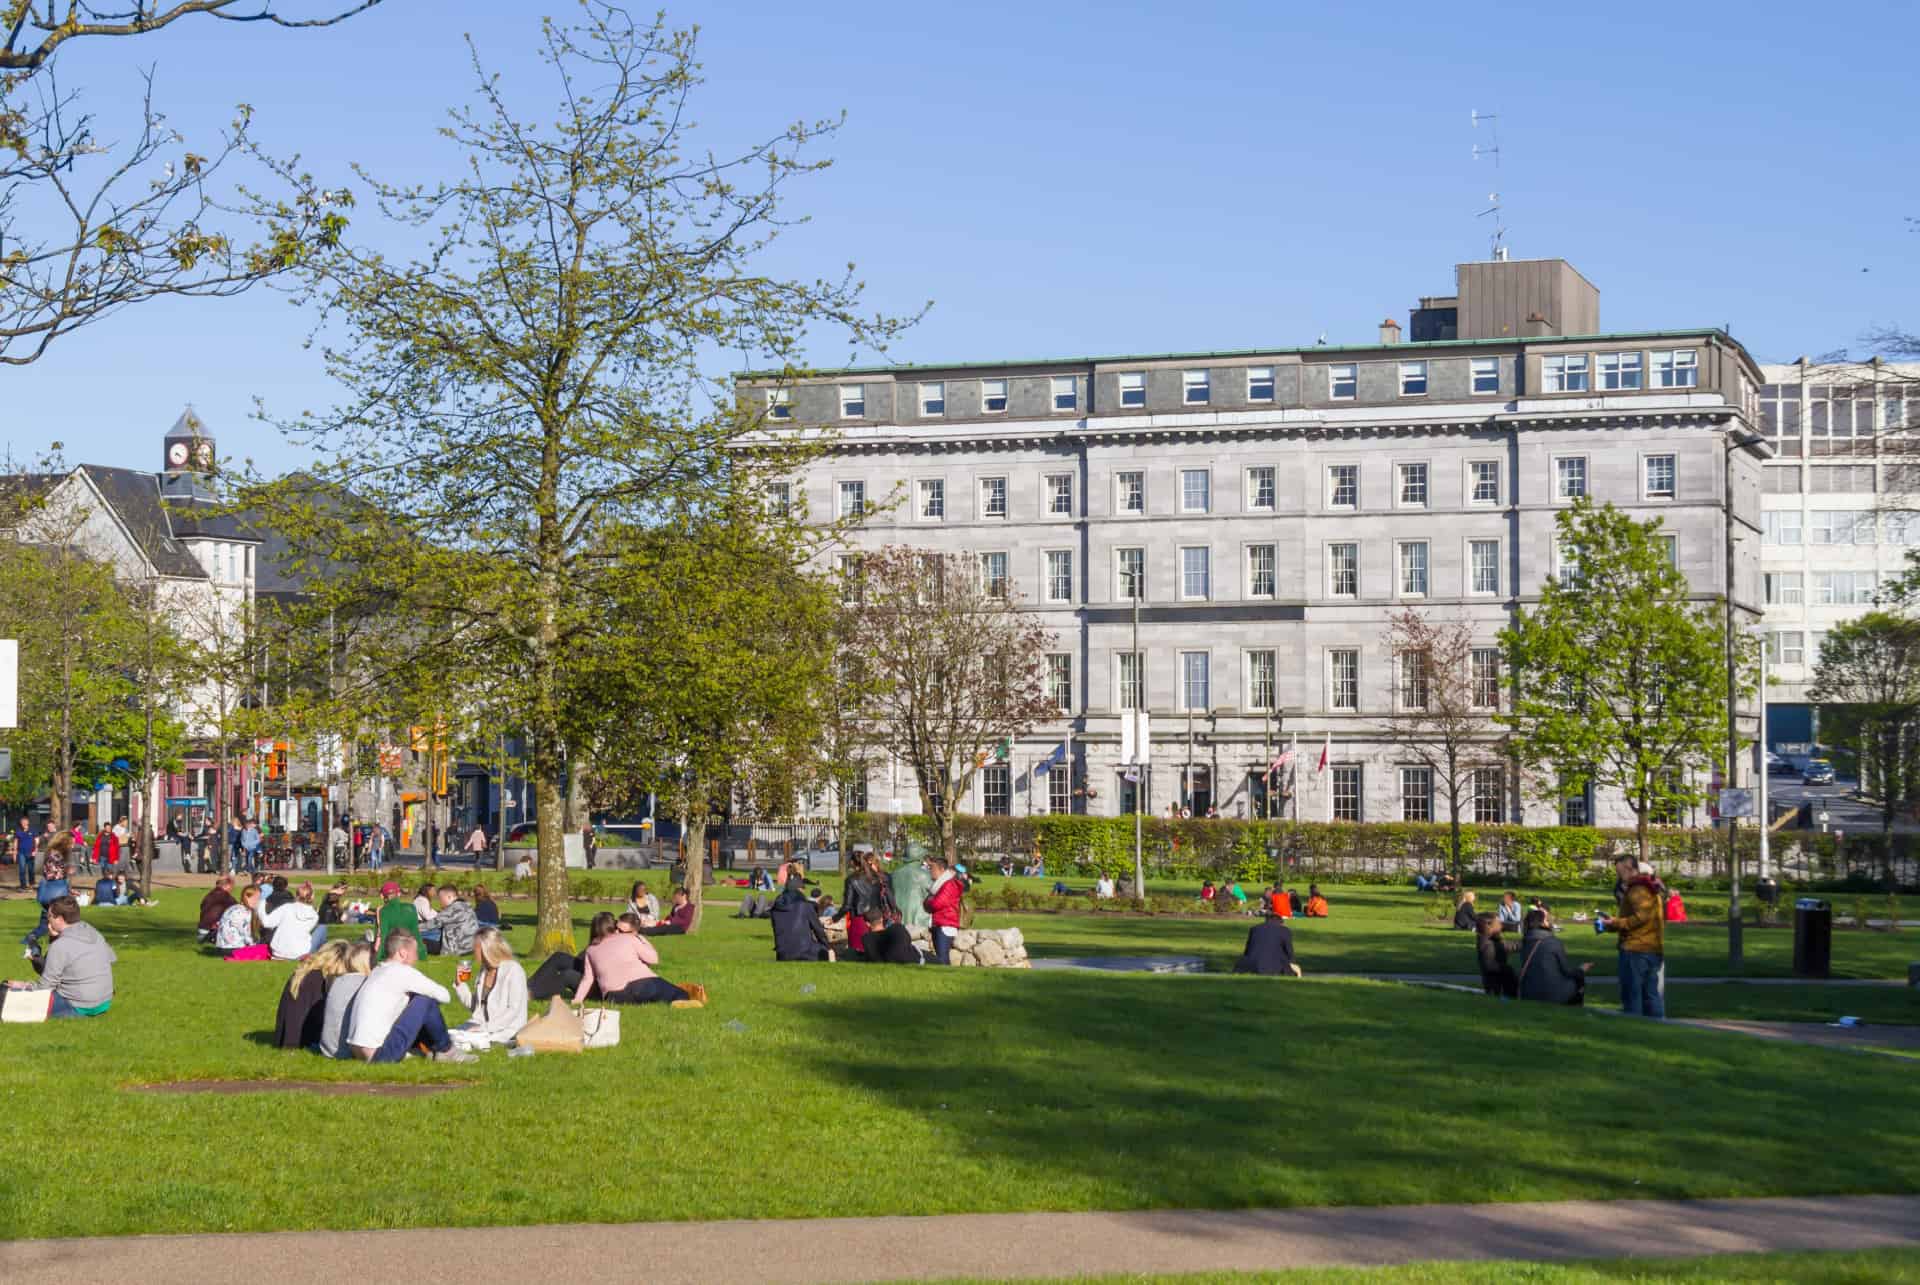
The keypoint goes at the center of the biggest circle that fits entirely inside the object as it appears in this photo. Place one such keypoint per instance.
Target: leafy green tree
(532, 378)
(1618, 676)
(1867, 678)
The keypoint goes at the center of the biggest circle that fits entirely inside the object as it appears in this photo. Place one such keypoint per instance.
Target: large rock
(989, 952)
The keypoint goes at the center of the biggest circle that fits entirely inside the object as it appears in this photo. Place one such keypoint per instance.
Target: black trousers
(558, 975)
(648, 990)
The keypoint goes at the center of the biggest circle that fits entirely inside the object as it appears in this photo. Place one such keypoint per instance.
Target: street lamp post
(1736, 946)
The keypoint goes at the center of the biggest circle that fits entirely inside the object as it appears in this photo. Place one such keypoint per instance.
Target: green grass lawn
(915, 1090)
(1867, 1267)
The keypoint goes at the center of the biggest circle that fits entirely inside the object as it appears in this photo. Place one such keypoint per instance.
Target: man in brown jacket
(1641, 925)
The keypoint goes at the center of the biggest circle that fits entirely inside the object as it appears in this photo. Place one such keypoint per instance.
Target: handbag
(600, 1028)
(27, 1006)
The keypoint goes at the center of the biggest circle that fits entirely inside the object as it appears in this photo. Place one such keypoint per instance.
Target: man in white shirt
(398, 1008)
(1103, 887)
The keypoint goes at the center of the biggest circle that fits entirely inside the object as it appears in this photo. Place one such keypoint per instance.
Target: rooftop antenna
(1491, 148)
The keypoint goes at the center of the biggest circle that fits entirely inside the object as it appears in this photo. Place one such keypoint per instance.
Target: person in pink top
(618, 967)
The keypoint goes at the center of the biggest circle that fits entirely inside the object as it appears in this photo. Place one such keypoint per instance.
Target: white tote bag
(602, 1027)
(27, 1006)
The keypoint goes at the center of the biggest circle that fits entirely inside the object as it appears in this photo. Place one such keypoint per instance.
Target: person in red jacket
(943, 903)
(1676, 908)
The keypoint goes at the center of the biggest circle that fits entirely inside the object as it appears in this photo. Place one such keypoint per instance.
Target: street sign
(9, 682)
(1736, 803)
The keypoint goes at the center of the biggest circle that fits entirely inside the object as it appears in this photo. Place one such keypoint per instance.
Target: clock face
(177, 454)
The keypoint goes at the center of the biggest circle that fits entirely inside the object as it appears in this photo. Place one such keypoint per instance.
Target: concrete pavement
(992, 1245)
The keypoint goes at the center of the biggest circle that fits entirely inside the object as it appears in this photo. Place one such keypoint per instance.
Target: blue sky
(1070, 178)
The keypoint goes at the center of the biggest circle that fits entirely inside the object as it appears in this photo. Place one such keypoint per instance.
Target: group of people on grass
(877, 910)
(276, 921)
(1644, 906)
(77, 965)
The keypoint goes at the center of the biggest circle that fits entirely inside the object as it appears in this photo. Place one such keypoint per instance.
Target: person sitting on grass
(497, 996)
(78, 965)
(239, 923)
(1510, 911)
(1316, 903)
(1546, 974)
(302, 1014)
(333, 907)
(1236, 893)
(644, 906)
(295, 927)
(277, 895)
(560, 972)
(890, 943)
(106, 891)
(678, 919)
(798, 936)
(1269, 951)
(355, 964)
(1279, 903)
(485, 909)
(759, 880)
(523, 868)
(215, 904)
(1206, 890)
(457, 922)
(1464, 915)
(398, 1009)
(52, 887)
(396, 915)
(1496, 974)
(618, 968)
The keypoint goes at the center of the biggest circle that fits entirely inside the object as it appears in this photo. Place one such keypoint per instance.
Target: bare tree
(954, 668)
(1444, 689)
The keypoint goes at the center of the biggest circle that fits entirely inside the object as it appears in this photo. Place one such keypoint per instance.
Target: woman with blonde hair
(356, 961)
(497, 998)
(303, 1002)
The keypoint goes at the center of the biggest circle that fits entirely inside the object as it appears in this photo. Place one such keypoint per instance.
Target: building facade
(1221, 538)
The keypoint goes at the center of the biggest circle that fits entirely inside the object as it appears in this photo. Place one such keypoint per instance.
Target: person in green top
(396, 912)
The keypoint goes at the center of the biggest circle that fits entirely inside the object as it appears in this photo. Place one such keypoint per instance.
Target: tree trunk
(693, 844)
(1643, 836)
(1453, 813)
(554, 923)
(146, 859)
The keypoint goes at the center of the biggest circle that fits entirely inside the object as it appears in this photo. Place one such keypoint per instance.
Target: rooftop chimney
(1389, 331)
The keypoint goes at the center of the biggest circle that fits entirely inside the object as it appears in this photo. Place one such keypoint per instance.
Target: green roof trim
(1707, 332)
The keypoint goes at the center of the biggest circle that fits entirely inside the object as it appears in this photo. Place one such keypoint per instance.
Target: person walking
(250, 846)
(476, 846)
(376, 846)
(1642, 931)
(590, 840)
(23, 852)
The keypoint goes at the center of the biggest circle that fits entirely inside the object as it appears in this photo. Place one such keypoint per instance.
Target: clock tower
(188, 457)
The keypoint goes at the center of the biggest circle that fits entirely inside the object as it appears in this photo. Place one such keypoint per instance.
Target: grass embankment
(998, 1090)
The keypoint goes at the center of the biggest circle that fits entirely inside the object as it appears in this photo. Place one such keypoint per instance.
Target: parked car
(1778, 765)
(1819, 772)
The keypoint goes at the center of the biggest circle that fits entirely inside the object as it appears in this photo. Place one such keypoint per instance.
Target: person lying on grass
(497, 997)
(397, 1010)
(341, 990)
(78, 966)
(1269, 951)
(618, 968)
(239, 923)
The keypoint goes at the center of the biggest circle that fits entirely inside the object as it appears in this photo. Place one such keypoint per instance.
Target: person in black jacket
(1269, 951)
(1545, 972)
(798, 935)
(1464, 917)
(1496, 974)
(859, 905)
(891, 944)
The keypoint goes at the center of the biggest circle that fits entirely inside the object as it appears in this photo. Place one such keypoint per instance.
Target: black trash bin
(1812, 938)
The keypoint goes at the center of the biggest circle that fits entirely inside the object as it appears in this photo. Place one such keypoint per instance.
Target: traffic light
(277, 762)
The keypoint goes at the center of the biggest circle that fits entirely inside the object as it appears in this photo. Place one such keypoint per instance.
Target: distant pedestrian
(1643, 958)
(590, 840)
(23, 842)
(376, 846)
(250, 847)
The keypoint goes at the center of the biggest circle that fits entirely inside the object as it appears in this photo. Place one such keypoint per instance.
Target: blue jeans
(648, 990)
(25, 865)
(1643, 983)
(419, 1023)
(61, 1008)
(319, 936)
(942, 946)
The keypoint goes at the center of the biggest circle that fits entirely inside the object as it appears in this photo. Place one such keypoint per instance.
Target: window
(1196, 572)
(993, 574)
(996, 789)
(1060, 685)
(1066, 393)
(933, 399)
(780, 498)
(993, 497)
(852, 589)
(1130, 492)
(1486, 374)
(780, 403)
(1843, 588)
(1787, 647)
(1343, 679)
(1260, 489)
(1133, 389)
(1195, 387)
(1839, 526)
(1780, 479)
(1574, 810)
(1343, 571)
(1060, 789)
(1783, 588)
(1343, 382)
(1902, 529)
(1194, 681)
(1564, 374)
(1059, 575)
(933, 499)
(1483, 564)
(1619, 371)
(1416, 794)
(1413, 569)
(1485, 477)
(1060, 494)
(853, 401)
(1566, 565)
(1130, 566)
(1780, 526)
(1196, 485)
(1259, 383)
(1413, 379)
(1260, 571)
(1260, 680)
(1343, 486)
(1670, 545)
(1133, 680)
(853, 499)
(1489, 796)
(1842, 479)
(1484, 664)
(1411, 687)
(1677, 369)
(1815, 642)
(1570, 477)
(1346, 791)
(993, 396)
(1660, 477)
(1780, 410)
(1413, 486)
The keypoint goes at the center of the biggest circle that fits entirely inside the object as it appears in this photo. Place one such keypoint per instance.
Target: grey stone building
(1273, 507)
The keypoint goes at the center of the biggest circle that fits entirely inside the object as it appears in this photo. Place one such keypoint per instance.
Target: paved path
(994, 1245)
(1598, 979)
(1869, 1038)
